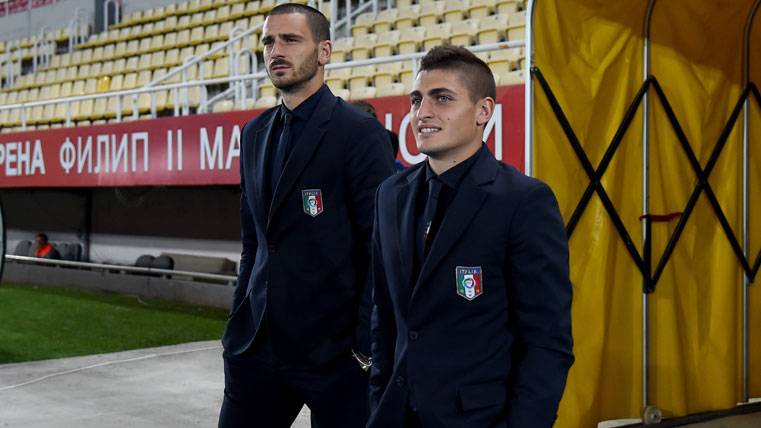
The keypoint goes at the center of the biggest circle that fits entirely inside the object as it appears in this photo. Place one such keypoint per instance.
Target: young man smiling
(299, 326)
(471, 323)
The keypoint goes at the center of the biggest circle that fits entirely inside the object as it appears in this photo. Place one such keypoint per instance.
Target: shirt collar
(304, 110)
(453, 176)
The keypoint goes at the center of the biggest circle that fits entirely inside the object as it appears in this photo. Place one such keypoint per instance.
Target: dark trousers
(262, 392)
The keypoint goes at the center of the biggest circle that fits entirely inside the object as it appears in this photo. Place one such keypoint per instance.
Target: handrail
(136, 269)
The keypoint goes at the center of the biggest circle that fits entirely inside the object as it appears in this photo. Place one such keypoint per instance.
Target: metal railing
(229, 279)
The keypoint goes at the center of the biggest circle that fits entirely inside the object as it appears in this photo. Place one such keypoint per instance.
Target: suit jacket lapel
(468, 200)
(303, 149)
(262, 149)
(405, 231)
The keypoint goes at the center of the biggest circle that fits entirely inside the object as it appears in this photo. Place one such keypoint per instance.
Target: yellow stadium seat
(363, 44)
(171, 58)
(157, 43)
(335, 84)
(55, 62)
(361, 76)
(196, 19)
(107, 69)
(136, 32)
(133, 47)
(157, 59)
(386, 43)
(60, 74)
(507, 6)
(492, 29)
(411, 40)
(221, 68)
(266, 6)
(403, 3)
(83, 71)
(455, 10)
(97, 55)
(39, 77)
(265, 102)
(224, 30)
(437, 35)
(480, 8)
(78, 88)
(512, 78)
(361, 93)
(125, 34)
(385, 21)
(131, 64)
(183, 38)
(144, 63)
(183, 22)
(253, 8)
(393, 89)
(237, 11)
(185, 52)
(223, 14)
(196, 35)
(516, 29)
(341, 48)
(76, 57)
(407, 17)
(463, 32)
(71, 73)
(201, 49)
(383, 78)
(170, 23)
(149, 29)
(266, 89)
(120, 50)
(91, 85)
(211, 33)
(145, 45)
(209, 17)
(95, 70)
(255, 20)
(116, 82)
(170, 41)
(430, 12)
(222, 106)
(362, 24)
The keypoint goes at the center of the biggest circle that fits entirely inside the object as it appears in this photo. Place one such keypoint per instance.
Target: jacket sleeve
(248, 238)
(540, 291)
(383, 325)
(369, 163)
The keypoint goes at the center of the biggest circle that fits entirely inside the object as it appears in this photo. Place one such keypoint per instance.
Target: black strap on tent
(644, 262)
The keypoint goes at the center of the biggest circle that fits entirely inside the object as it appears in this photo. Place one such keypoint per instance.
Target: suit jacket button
(412, 335)
(400, 380)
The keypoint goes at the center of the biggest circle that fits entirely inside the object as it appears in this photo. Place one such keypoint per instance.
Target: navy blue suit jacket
(308, 270)
(496, 355)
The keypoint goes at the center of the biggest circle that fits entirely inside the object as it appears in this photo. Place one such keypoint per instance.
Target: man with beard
(299, 330)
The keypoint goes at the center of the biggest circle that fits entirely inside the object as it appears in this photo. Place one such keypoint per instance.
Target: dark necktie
(429, 217)
(281, 150)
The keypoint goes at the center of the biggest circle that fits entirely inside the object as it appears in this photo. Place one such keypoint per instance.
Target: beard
(304, 73)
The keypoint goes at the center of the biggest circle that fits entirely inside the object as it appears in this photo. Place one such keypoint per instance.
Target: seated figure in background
(45, 249)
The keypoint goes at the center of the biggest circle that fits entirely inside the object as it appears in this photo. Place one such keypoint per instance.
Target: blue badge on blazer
(470, 283)
(312, 200)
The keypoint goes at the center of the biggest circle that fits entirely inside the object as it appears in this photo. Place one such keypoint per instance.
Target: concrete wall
(125, 223)
(190, 292)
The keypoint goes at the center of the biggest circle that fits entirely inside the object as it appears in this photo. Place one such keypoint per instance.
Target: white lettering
(209, 155)
(403, 149)
(495, 123)
(233, 150)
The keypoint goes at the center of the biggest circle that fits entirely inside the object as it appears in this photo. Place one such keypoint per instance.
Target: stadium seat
(144, 261)
(407, 17)
(430, 11)
(516, 29)
(265, 102)
(361, 93)
(384, 21)
(455, 10)
(393, 89)
(480, 8)
(492, 29)
(361, 77)
(362, 47)
(386, 43)
(436, 35)
(335, 84)
(507, 6)
(411, 40)
(463, 32)
(341, 48)
(362, 24)
(222, 106)
(23, 248)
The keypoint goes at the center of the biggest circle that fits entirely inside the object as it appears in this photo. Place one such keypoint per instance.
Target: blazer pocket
(483, 395)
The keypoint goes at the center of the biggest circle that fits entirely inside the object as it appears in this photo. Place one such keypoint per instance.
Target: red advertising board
(198, 149)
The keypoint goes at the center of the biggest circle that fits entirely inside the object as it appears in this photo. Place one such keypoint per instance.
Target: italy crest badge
(312, 201)
(470, 282)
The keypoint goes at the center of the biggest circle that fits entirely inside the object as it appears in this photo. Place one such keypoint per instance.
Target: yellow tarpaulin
(591, 54)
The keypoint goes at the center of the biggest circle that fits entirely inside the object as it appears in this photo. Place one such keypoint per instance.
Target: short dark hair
(318, 23)
(42, 236)
(365, 106)
(476, 75)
